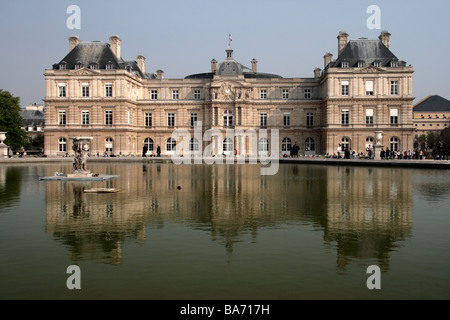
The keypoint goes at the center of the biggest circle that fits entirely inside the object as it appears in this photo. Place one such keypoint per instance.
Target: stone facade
(432, 114)
(94, 92)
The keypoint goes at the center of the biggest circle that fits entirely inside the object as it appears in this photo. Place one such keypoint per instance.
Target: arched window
(227, 118)
(193, 144)
(62, 145)
(227, 145)
(109, 144)
(171, 144)
(263, 145)
(148, 143)
(310, 145)
(394, 144)
(286, 144)
(345, 143)
(369, 142)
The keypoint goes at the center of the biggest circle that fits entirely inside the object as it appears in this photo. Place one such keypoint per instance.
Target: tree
(11, 120)
(445, 140)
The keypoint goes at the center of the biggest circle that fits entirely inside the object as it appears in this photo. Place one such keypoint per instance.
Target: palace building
(93, 91)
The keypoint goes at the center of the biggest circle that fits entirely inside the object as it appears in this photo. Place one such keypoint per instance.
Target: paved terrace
(425, 163)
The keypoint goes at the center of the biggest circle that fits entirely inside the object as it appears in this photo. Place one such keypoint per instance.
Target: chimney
(213, 65)
(114, 43)
(327, 59)
(160, 74)
(254, 64)
(385, 37)
(73, 41)
(342, 41)
(317, 72)
(141, 62)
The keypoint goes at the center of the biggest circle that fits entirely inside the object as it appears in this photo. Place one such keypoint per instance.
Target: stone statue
(81, 154)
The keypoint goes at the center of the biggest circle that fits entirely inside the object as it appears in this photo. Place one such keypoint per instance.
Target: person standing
(158, 151)
(338, 151)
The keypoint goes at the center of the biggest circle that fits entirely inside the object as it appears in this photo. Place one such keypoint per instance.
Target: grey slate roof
(230, 67)
(367, 51)
(433, 103)
(86, 53)
(33, 118)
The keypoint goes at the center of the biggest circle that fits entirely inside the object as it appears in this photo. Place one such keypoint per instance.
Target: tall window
(227, 144)
(286, 144)
(307, 93)
(193, 144)
(310, 145)
(154, 94)
(345, 117)
(175, 94)
(286, 119)
(148, 119)
(285, 94)
(61, 90)
(197, 94)
(263, 94)
(263, 144)
(171, 144)
(345, 142)
(393, 116)
(227, 118)
(193, 119)
(62, 145)
(148, 143)
(369, 117)
(309, 119)
(394, 143)
(369, 88)
(108, 117)
(85, 90)
(109, 144)
(85, 117)
(108, 89)
(345, 85)
(171, 119)
(263, 119)
(394, 88)
(62, 117)
(369, 142)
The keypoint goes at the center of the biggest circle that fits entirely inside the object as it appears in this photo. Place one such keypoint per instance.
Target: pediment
(370, 69)
(84, 71)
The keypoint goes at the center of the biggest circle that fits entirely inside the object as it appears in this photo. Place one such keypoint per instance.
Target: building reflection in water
(362, 212)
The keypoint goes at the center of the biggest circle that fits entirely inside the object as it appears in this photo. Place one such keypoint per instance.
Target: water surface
(309, 232)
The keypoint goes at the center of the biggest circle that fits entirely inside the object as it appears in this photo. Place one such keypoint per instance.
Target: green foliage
(445, 138)
(11, 120)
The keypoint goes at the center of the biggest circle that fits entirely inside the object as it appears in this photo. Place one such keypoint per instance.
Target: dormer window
(361, 64)
(394, 63)
(63, 66)
(128, 68)
(377, 64)
(78, 66)
(109, 65)
(345, 64)
(93, 66)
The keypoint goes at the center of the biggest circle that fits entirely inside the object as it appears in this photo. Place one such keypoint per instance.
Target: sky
(181, 37)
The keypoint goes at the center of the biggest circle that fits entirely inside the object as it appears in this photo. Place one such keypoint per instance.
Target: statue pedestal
(3, 150)
(80, 174)
(376, 151)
